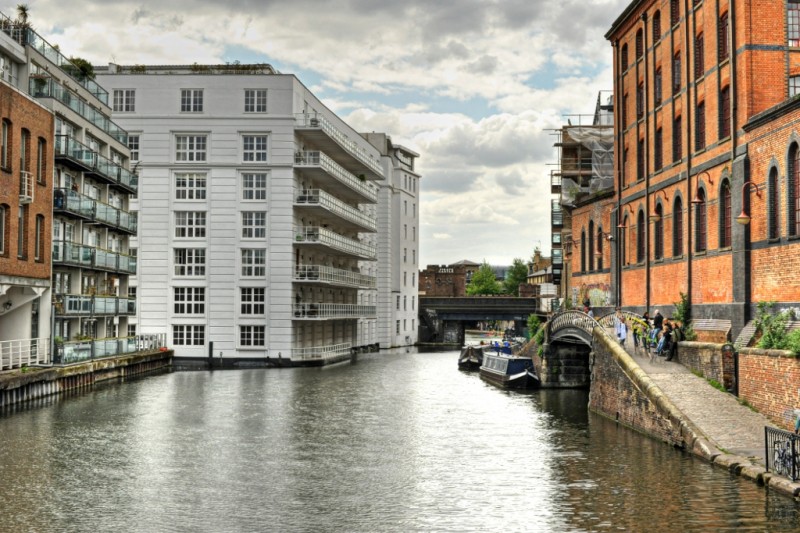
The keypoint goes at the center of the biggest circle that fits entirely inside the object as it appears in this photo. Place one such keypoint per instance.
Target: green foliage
(772, 326)
(533, 323)
(517, 274)
(683, 314)
(79, 68)
(793, 341)
(716, 384)
(483, 282)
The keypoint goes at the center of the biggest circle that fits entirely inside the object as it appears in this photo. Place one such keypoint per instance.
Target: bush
(772, 327)
(793, 341)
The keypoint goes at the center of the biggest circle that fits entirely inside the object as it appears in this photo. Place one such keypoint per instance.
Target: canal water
(397, 441)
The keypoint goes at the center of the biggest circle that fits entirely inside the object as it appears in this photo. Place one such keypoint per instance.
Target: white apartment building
(257, 210)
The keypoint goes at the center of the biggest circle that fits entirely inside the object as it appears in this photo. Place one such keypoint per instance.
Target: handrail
(576, 319)
(21, 352)
(336, 206)
(321, 352)
(315, 234)
(782, 450)
(75, 202)
(330, 310)
(333, 275)
(313, 158)
(316, 120)
(85, 350)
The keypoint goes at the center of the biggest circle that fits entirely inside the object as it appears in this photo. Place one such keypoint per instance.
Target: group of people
(662, 335)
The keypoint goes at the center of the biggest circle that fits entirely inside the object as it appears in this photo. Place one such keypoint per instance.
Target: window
(254, 262)
(254, 186)
(677, 140)
(190, 186)
(640, 167)
(24, 150)
(189, 300)
(398, 302)
(700, 222)
(700, 126)
(699, 57)
(5, 147)
(254, 225)
(658, 150)
(3, 229)
(124, 100)
(41, 158)
(725, 215)
(190, 262)
(599, 248)
(641, 232)
(773, 204)
(639, 44)
(656, 26)
(723, 37)
(640, 101)
(674, 12)
(252, 335)
(38, 248)
(189, 335)
(794, 86)
(725, 113)
(657, 87)
(133, 144)
(793, 185)
(793, 23)
(624, 57)
(677, 228)
(190, 148)
(254, 148)
(624, 110)
(405, 303)
(255, 100)
(253, 299)
(658, 233)
(22, 224)
(591, 249)
(190, 224)
(583, 251)
(676, 73)
(191, 100)
(397, 327)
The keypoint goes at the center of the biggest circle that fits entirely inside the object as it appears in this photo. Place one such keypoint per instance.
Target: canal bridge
(442, 319)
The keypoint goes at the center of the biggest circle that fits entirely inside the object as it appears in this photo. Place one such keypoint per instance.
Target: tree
(517, 274)
(483, 281)
(80, 69)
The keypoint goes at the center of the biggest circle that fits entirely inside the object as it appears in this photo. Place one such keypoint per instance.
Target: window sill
(700, 253)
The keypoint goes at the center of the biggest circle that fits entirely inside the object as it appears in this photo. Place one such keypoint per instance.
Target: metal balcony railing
(85, 305)
(26, 187)
(321, 352)
(334, 276)
(78, 351)
(310, 158)
(782, 452)
(335, 206)
(313, 234)
(21, 352)
(326, 310)
(316, 120)
(86, 207)
(81, 255)
(66, 146)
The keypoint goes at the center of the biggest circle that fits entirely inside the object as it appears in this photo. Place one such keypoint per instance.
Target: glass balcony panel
(311, 158)
(335, 206)
(334, 276)
(305, 120)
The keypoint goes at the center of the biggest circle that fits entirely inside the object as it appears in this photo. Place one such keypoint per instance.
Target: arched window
(658, 232)
(793, 185)
(624, 57)
(641, 231)
(583, 251)
(674, 11)
(623, 241)
(591, 246)
(773, 204)
(4, 230)
(677, 228)
(725, 214)
(656, 26)
(599, 248)
(700, 222)
(639, 44)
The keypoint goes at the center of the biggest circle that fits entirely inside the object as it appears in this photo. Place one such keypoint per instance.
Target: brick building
(447, 280)
(706, 128)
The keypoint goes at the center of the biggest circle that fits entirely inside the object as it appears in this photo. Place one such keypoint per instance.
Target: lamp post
(744, 218)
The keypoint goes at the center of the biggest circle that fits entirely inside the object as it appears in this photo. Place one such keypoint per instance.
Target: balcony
(332, 140)
(556, 214)
(26, 187)
(331, 210)
(555, 183)
(80, 157)
(329, 174)
(43, 86)
(326, 311)
(80, 255)
(325, 240)
(80, 205)
(24, 352)
(321, 353)
(338, 277)
(557, 256)
(86, 305)
(77, 351)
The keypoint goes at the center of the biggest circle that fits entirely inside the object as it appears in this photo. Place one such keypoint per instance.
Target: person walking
(658, 325)
(620, 326)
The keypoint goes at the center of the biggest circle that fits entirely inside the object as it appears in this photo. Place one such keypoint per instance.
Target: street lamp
(744, 218)
(697, 200)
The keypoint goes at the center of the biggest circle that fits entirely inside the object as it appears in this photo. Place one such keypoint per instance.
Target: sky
(476, 87)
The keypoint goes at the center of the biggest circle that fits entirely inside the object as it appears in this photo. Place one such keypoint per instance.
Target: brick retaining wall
(770, 381)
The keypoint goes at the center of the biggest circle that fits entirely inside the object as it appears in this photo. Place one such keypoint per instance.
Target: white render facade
(257, 214)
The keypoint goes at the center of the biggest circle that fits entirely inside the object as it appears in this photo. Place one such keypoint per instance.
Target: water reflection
(395, 442)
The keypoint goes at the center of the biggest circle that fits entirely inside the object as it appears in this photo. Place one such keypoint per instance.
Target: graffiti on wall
(597, 294)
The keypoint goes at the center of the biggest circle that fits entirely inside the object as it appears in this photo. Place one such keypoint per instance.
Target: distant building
(447, 280)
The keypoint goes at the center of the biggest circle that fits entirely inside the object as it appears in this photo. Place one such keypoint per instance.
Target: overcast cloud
(474, 86)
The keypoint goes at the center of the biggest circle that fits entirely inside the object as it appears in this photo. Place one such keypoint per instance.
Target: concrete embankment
(21, 385)
(667, 401)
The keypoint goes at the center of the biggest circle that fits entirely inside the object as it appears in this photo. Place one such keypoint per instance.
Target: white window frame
(191, 100)
(252, 336)
(189, 262)
(254, 186)
(255, 148)
(124, 101)
(190, 185)
(188, 334)
(255, 100)
(191, 148)
(134, 141)
(190, 224)
(254, 224)
(253, 301)
(189, 300)
(254, 262)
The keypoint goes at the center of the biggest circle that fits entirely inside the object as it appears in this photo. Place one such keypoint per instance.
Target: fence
(78, 351)
(21, 352)
(782, 452)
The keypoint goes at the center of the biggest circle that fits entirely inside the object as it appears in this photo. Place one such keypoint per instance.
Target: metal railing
(68, 147)
(310, 158)
(81, 255)
(78, 351)
(88, 305)
(314, 234)
(782, 450)
(335, 276)
(576, 319)
(22, 352)
(82, 205)
(335, 206)
(315, 120)
(326, 310)
(321, 352)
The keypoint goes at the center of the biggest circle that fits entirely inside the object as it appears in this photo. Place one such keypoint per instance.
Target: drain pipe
(645, 107)
(689, 138)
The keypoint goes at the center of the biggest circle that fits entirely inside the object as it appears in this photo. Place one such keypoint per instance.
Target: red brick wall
(769, 380)
(22, 112)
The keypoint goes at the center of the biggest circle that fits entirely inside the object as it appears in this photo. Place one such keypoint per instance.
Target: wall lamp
(697, 200)
(622, 211)
(744, 218)
(656, 217)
